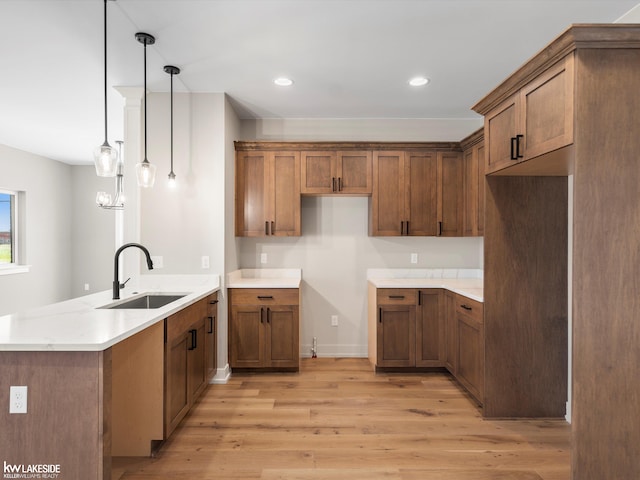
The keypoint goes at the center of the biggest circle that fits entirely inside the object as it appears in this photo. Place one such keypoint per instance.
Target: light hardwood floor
(336, 419)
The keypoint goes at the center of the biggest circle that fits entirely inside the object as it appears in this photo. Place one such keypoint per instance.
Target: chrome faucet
(116, 282)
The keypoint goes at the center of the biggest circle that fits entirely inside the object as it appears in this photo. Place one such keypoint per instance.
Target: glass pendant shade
(146, 174)
(172, 180)
(105, 159)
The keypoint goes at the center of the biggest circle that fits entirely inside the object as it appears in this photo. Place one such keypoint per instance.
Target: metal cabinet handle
(513, 156)
(407, 228)
(401, 228)
(439, 229)
(210, 325)
(397, 297)
(466, 307)
(273, 227)
(213, 302)
(419, 298)
(339, 184)
(268, 315)
(261, 315)
(380, 315)
(265, 297)
(194, 339)
(518, 138)
(333, 184)
(266, 227)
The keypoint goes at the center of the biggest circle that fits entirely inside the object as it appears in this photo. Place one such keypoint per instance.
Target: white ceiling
(348, 58)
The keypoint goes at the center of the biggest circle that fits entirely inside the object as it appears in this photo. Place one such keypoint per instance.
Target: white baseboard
(222, 375)
(335, 351)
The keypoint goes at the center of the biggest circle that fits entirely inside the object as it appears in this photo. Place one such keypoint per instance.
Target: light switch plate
(414, 258)
(158, 261)
(204, 261)
(263, 258)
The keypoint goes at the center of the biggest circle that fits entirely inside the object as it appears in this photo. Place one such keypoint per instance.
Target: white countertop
(466, 282)
(79, 325)
(265, 278)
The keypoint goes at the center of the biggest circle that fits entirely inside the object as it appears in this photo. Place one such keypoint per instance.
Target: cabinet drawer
(396, 296)
(470, 308)
(264, 296)
(180, 322)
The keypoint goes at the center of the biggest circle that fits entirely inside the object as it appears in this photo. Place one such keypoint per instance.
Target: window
(7, 228)
(11, 253)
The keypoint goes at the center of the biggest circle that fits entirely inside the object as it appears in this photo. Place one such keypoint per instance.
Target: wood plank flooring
(337, 420)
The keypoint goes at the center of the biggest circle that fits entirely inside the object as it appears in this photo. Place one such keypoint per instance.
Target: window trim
(19, 264)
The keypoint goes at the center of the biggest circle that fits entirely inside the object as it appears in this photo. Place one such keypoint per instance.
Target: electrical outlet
(158, 261)
(334, 320)
(204, 261)
(17, 399)
(86, 287)
(414, 258)
(263, 258)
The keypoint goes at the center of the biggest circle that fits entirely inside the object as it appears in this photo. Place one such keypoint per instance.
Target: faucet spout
(116, 281)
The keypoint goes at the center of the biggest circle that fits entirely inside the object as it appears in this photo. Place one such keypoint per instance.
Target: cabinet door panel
(388, 199)
(196, 360)
(450, 194)
(430, 329)
(252, 208)
(318, 172)
(283, 336)
(451, 333)
(470, 162)
(396, 336)
(285, 190)
(481, 189)
(470, 355)
(177, 388)
(500, 127)
(246, 337)
(547, 110)
(355, 172)
(422, 205)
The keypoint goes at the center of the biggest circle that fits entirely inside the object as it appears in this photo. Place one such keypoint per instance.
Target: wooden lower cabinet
(211, 335)
(264, 328)
(470, 348)
(408, 328)
(186, 373)
(450, 333)
(431, 327)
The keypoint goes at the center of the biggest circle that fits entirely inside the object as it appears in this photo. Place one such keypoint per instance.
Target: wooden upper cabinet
(267, 193)
(473, 181)
(421, 198)
(336, 172)
(387, 209)
(535, 120)
(450, 208)
(416, 193)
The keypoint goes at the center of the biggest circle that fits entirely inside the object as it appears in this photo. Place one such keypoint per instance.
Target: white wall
(335, 250)
(48, 186)
(92, 231)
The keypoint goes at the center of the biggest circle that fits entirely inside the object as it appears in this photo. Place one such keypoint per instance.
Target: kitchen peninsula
(89, 368)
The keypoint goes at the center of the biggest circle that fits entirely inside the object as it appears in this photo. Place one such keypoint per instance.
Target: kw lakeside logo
(39, 470)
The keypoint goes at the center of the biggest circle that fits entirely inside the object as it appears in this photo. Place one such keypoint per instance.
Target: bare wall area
(48, 242)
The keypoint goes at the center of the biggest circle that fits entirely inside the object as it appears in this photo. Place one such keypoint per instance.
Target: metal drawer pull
(265, 297)
(397, 297)
(213, 302)
(210, 325)
(466, 307)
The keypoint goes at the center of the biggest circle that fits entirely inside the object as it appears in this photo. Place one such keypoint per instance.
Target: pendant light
(105, 157)
(103, 199)
(145, 171)
(171, 70)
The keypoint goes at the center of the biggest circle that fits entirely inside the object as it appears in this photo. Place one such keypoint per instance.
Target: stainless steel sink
(146, 302)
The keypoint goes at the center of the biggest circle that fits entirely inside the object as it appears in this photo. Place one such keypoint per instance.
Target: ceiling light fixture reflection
(283, 82)
(418, 81)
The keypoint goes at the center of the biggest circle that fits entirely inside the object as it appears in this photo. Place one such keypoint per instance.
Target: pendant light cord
(105, 73)
(171, 122)
(145, 102)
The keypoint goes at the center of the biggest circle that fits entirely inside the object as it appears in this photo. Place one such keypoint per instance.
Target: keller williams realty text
(31, 471)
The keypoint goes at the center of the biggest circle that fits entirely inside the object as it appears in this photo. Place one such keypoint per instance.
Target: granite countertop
(80, 325)
(466, 282)
(265, 278)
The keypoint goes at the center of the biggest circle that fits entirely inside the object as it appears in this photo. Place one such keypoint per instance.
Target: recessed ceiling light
(283, 82)
(418, 81)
